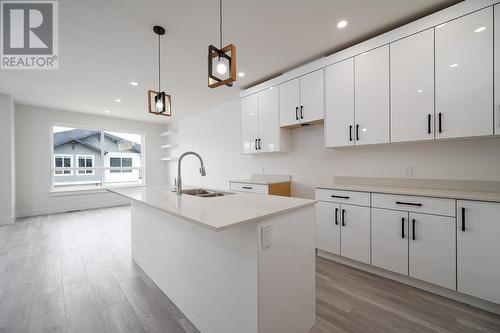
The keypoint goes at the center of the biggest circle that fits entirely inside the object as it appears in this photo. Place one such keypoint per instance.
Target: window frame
(85, 169)
(63, 169)
(101, 183)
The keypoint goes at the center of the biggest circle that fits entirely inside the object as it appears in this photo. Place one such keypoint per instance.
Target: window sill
(84, 190)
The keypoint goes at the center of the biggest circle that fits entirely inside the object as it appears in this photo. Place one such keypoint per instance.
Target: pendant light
(159, 103)
(223, 59)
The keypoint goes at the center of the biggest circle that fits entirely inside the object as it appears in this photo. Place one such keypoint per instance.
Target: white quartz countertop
(259, 181)
(425, 192)
(217, 213)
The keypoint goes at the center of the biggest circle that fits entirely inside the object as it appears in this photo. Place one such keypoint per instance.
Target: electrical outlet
(266, 236)
(409, 171)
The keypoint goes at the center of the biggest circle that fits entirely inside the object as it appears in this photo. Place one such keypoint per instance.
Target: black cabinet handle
(297, 113)
(343, 217)
(256, 145)
(247, 187)
(408, 203)
(336, 216)
(301, 112)
(463, 218)
(339, 196)
(402, 227)
(260, 146)
(439, 122)
(413, 228)
(357, 132)
(350, 132)
(429, 123)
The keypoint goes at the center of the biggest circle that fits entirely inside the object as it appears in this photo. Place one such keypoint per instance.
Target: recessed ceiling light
(117, 100)
(480, 29)
(133, 83)
(453, 65)
(241, 74)
(107, 111)
(342, 24)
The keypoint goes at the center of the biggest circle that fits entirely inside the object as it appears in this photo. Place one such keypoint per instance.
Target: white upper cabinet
(339, 104)
(301, 100)
(412, 87)
(371, 80)
(311, 97)
(269, 120)
(249, 124)
(290, 102)
(260, 125)
(464, 76)
(478, 249)
(497, 70)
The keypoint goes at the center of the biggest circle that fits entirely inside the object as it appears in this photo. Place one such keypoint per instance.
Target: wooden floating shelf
(167, 133)
(168, 159)
(167, 146)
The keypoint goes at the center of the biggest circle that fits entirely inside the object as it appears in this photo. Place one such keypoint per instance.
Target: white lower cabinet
(478, 249)
(390, 240)
(328, 227)
(432, 249)
(355, 233)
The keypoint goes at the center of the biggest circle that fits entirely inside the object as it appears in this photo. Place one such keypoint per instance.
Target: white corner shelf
(168, 159)
(167, 133)
(167, 146)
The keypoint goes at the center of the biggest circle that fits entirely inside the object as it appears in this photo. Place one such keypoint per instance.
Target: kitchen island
(233, 263)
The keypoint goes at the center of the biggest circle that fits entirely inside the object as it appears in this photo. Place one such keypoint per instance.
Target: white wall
(215, 134)
(7, 167)
(33, 159)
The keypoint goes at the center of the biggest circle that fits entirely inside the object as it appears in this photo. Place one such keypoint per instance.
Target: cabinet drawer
(347, 197)
(426, 205)
(250, 188)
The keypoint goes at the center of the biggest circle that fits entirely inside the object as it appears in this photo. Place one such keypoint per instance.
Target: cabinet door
(478, 249)
(269, 120)
(339, 104)
(289, 102)
(355, 233)
(311, 97)
(249, 123)
(371, 80)
(390, 240)
(464, 76)
(497, 70)
(328, 227)
(432, 252)
(412, 88)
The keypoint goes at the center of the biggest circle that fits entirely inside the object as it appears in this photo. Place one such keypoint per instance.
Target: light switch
(266, 236)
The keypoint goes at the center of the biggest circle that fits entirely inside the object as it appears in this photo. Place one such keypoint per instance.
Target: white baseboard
(64, 209)
(441, 291)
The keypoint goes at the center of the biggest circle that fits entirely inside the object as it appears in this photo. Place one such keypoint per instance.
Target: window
(85, 161)
(94, 157)
(63, 161)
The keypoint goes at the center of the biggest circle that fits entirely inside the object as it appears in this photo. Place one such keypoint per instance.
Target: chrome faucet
(179, 180)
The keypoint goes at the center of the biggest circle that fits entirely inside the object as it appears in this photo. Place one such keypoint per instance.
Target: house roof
(79, 135)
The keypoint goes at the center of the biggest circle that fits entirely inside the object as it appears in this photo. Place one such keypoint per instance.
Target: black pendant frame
(229, 53)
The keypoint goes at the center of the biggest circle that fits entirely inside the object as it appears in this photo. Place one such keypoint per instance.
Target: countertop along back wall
(215, 134)
(33, 154)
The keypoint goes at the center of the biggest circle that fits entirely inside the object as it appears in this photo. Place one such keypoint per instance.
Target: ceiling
(106, 44)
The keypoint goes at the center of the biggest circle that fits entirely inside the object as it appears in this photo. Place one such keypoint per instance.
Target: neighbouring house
(81, 148)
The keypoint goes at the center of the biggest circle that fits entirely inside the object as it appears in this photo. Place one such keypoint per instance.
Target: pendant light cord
(220, 24)
(159, 64)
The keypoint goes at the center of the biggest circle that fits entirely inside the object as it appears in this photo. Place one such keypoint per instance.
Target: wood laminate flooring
(73, 272)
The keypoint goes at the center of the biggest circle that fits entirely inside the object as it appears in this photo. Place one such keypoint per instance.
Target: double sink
(203, 193)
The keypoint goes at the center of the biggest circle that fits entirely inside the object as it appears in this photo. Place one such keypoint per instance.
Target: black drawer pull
(350, 133)
(413, 228)
(339, 196)
(439, 122)
(402, 227)
(408, 203)
(357, 132)
(301, 112)
(247, 187)
(343, 217)
(463, 218)
(336, 216)
(429, 123)
(297, 113)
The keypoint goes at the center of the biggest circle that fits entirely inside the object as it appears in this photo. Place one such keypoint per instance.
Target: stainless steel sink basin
(202, 193)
